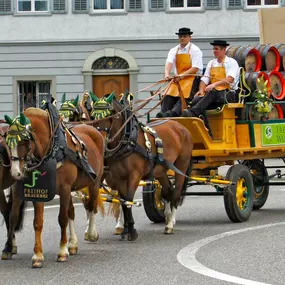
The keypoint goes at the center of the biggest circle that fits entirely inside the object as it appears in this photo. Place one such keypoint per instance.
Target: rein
(47, 148)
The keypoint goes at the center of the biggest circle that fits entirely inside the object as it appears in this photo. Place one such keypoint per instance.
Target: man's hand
(167, 77)
(199, 94)
(210, 87)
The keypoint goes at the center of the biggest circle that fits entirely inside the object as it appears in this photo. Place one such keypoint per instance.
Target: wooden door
(106, 84)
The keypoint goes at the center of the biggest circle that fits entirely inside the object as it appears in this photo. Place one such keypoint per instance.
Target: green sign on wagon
(273, 134)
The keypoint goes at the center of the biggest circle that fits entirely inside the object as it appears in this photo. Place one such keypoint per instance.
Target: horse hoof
(6, 255)
(37, 263)
(14, 249)
(62, 258)
(73, 250)
(118, 231)
(86, 236)
(133, 235)
(168, 231)
(93, 238)
(124, 236)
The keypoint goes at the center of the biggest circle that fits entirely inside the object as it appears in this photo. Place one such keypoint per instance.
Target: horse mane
(35, 112)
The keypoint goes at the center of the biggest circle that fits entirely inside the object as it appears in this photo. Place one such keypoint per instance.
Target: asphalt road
(250, 255)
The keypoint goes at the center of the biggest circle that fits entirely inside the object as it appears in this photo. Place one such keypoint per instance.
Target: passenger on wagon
(186, 58)
(219, 84)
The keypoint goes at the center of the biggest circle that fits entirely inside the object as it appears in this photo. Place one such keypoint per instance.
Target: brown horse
(131, 157)
(30, 140)
(6, 181)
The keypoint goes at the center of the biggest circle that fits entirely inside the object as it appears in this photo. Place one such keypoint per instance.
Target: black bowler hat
(184, 31)
(219, 43)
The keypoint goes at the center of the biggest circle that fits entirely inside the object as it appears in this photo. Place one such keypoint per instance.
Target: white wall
(66, 27)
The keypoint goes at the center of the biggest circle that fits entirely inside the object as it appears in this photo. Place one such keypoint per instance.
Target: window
(32, 93)
(188, 4)
(108, 5)
(32, 6)
(262, 3)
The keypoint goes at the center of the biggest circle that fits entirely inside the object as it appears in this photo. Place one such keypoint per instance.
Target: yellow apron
(183, 63)
(218, 73)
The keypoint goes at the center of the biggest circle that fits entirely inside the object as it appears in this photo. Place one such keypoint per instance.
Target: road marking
(187, 256)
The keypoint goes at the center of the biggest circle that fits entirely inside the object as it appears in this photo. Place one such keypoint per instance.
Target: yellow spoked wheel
(153, 204)
(241, 193)
(260, 179)
(238, 197)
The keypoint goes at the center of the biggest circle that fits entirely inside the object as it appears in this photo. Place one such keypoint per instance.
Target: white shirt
(232, 69)
(195, 52)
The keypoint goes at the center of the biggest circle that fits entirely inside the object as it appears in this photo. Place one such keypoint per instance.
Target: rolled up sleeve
(233, 69)
(171, 56)
(206, 77)
(197, 60)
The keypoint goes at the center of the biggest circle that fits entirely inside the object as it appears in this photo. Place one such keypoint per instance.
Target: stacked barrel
(267, 61)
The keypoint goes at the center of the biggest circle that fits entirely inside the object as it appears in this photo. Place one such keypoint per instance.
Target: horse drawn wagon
(240, 140)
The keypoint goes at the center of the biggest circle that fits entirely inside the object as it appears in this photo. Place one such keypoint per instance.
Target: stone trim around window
(88, 72)
(31, 78)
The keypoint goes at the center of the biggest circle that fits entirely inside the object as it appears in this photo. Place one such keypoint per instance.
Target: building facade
(68, 46)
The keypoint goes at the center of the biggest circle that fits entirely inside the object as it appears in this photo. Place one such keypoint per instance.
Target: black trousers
(173, 104)
(212, 100)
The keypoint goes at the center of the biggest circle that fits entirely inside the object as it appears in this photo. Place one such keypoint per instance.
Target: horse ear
(111, 97)
(93, 97)
(23, 119)
(63, 98)
(8, 120)
(127, 91)
(75, 101)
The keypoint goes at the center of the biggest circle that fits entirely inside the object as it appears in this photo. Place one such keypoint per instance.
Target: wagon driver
(186, 58)
(219, 84)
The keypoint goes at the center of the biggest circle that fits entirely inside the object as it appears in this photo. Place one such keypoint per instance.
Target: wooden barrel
(263, 49)
(251, 79)
(246, 56)
(281, 50)
(277, 85)
(272, 59)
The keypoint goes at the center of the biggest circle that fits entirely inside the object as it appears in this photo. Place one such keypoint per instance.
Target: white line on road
(187, 256)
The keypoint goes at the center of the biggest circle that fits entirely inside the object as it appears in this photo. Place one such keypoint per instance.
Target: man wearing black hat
(219, 83)
(186, 58)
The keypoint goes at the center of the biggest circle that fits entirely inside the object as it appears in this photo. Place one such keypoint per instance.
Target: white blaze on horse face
(15, 165)
(65, 119)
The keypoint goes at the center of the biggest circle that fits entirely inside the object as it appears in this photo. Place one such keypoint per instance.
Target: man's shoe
(187, 113)
(159, 115)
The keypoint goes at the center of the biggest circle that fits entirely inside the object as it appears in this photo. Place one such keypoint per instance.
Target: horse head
(102, 108)
(18, 140)
(69, 109)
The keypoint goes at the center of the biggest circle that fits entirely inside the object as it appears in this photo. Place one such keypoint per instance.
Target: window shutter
(156, 5)
(135, 5)
(5, 6)
(80, 6)
(213, 4)
(235, 4)
(59, 6)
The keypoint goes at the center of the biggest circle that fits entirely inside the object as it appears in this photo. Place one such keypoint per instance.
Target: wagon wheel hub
(158, 198)
(241, 191)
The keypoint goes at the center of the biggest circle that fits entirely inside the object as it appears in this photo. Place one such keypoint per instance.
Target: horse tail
(114, 210)
(100, 204)
(186, 180)
(20, 222)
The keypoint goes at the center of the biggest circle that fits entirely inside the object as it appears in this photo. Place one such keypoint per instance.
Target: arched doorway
(110, 69)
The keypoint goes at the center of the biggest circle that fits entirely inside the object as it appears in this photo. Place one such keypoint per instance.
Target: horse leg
(73, 241)
(167, 195)
(120, 222)
(38, 258)
(92, 234)
(63, 222)
(129, 229)
(14, 223)
(176, 194)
